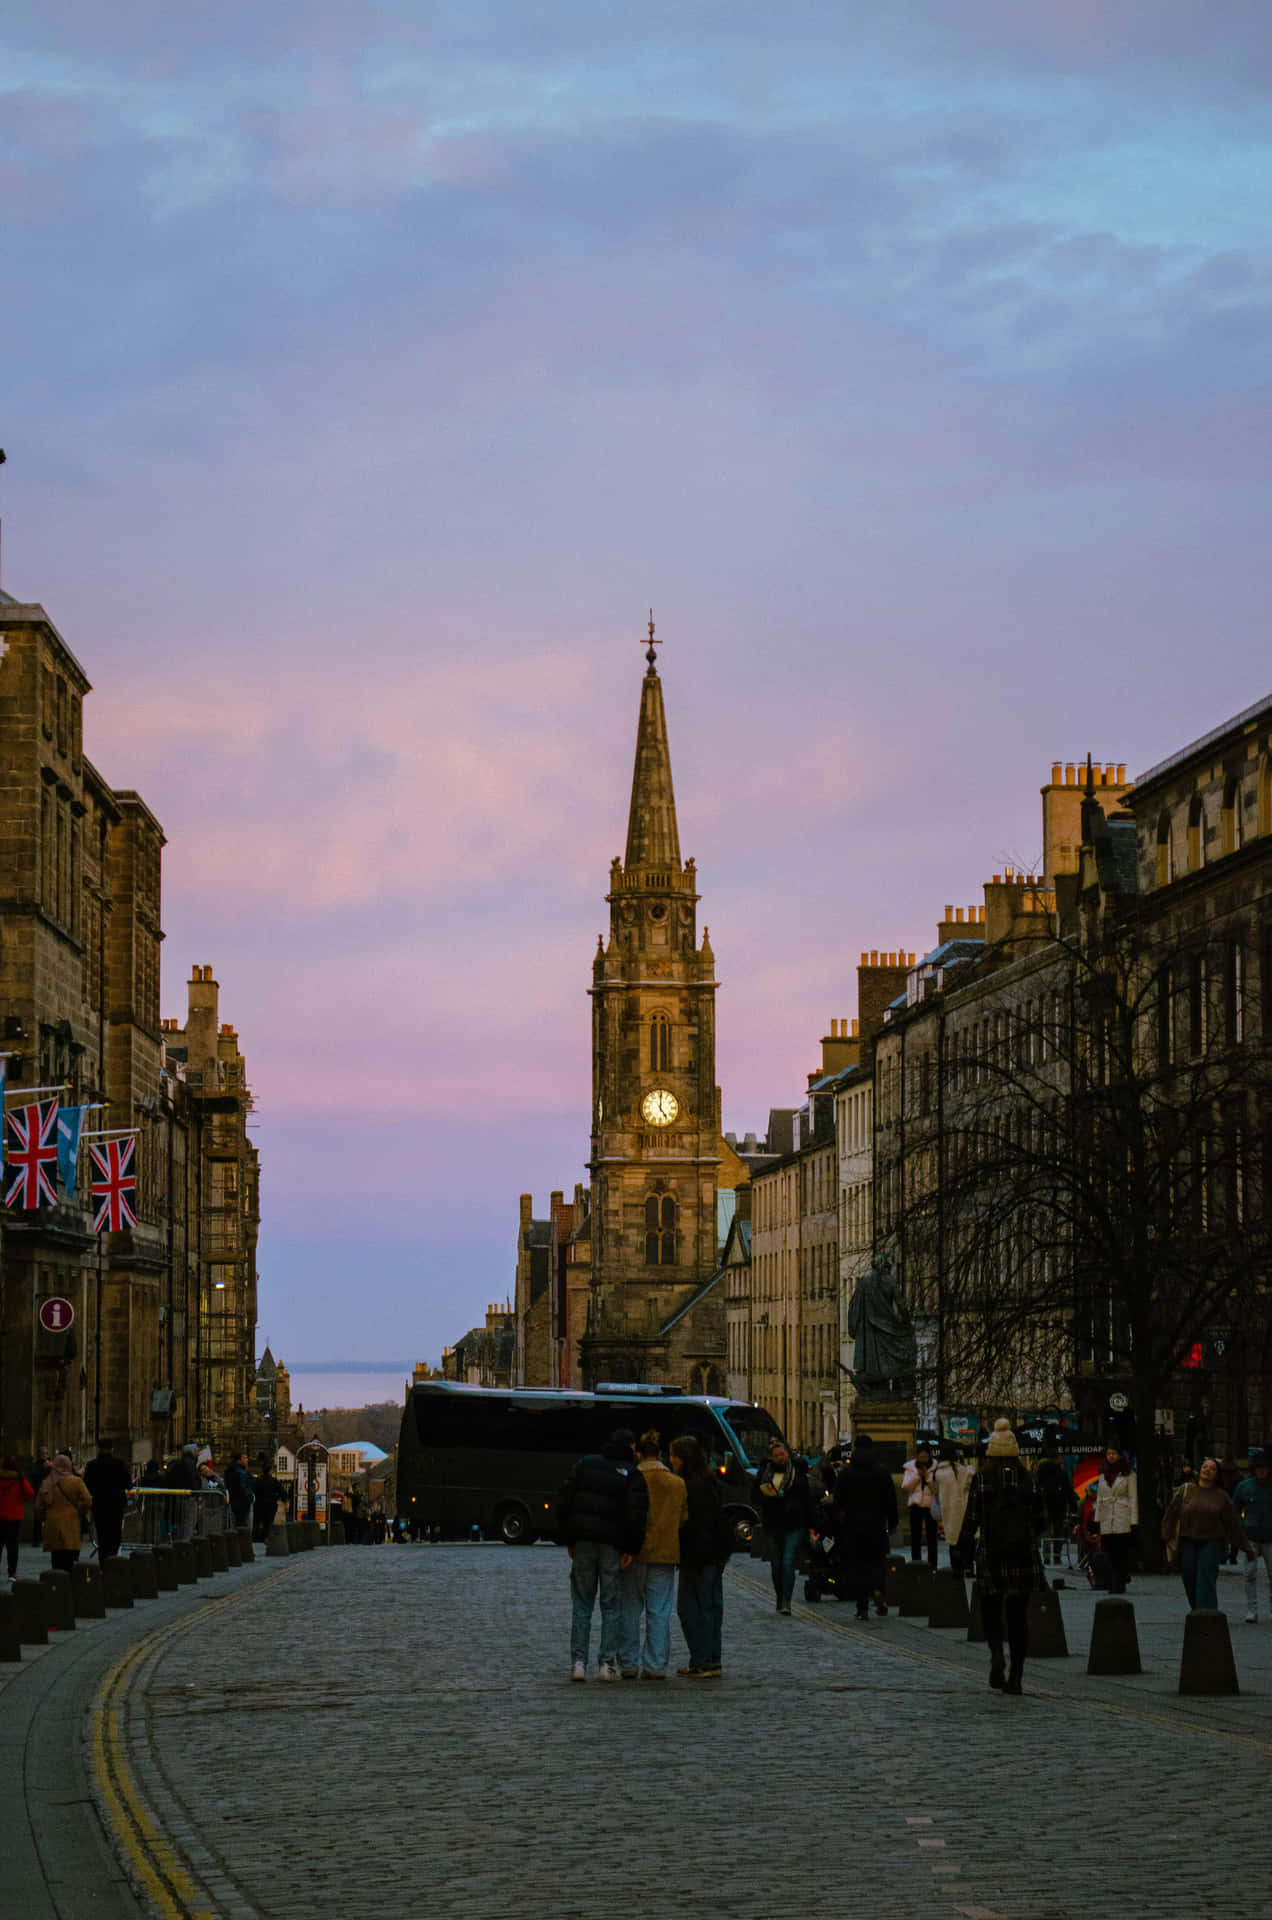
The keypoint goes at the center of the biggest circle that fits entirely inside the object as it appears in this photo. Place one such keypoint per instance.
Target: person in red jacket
(15, 1491)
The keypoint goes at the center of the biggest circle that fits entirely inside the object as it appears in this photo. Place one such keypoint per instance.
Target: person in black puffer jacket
(603, 1510)
(865, 1510)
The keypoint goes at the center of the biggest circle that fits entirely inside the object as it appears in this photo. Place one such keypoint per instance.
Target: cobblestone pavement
(375, 1730)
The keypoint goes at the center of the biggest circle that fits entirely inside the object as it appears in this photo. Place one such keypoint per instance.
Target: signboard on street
(962, 1427)
(57, 1314)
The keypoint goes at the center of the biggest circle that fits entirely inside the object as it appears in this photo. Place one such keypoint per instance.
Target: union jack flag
(32, 1155)
(114, 1184)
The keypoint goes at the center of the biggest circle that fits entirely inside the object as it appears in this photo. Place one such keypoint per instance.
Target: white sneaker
(606, 1672)
(578, 1671)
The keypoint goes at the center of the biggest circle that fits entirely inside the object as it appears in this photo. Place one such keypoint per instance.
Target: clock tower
(655, 1106)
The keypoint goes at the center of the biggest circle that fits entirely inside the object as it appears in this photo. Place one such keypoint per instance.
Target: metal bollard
(183, 1561)
(233, 1551)
(165, 1569)
(1114, 1642)
(1046, 1627)
(86, 1583)
(279, 1543)
(247, 1552)
(295, 1536)
(915, 1590)
(117, 1584)
(145, 1579)
(60, 1594)
(218, 1547)
(202, 1556)
(1206, 1664)
(31, 1604)
(948, 1600)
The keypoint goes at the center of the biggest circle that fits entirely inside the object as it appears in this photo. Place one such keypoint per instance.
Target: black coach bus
(497, 1457)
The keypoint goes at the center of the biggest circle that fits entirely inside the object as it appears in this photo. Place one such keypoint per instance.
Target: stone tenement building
(79, 1006)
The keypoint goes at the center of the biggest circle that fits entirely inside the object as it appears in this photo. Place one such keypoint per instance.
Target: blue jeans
(1199, 1570)
(647, 1592)
(785, 1547)
(701, 1609)
(591, 1566)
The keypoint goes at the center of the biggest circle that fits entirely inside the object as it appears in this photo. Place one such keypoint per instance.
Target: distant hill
(379, 1424)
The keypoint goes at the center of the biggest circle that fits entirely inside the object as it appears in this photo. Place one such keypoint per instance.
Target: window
(1165, 852)
(1233, 993)
(1196, 1005)
(1230, 819)
(660, 1230)
(1265, 796)
(1196, 835)
(1165, 1021)
(659, 1043)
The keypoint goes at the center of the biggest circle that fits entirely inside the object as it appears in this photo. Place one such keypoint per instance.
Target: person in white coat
(1116, 1514)
(951, 1478)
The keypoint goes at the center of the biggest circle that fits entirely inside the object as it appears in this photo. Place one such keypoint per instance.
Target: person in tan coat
(61, 1505)
(649, 1585)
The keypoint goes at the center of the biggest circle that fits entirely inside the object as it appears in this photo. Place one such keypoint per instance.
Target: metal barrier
(162, 1514)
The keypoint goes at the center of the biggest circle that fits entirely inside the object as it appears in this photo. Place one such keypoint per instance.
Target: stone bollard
(949, 1599)
(60, 1595)
(915, 1598)
(1046, 1627)
(183, 1561)
(1114, 1642)
(10, 1640)
(975, 1623)
(247, 1553)
(202, 1556)
(86, 1583)
(145, 1577)
(220, 1552)
(165, 1568)
(313, 1535)
(117, 1585)
(336, 1534)
(31, 1604)
(894, 1574)
(279, 1542)
(1206, 1664)
(233, 1551)
(295, 1536)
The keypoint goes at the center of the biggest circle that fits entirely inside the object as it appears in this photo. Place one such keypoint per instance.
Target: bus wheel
(743, 1530)
(513, 1527)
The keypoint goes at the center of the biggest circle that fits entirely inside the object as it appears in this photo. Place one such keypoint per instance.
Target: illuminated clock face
(660, 1107)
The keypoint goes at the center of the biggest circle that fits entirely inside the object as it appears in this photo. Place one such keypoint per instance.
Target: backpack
(1007, 1529)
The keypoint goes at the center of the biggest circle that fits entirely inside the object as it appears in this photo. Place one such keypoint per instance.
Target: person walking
(38, 1475)
(1195, 1526)
(1000, 1531)
(864, 1514)
(951, 1478)
(1116, 1513)
(62, 1505)
(785, 1510)
(918, 1483)
(1253, 1502)
(267, 1493)
(240, 1491)
(647, 1588)
(183, 1477)
(603, 1512)
(15, 1491)
(706, 1540)
(1055, 1489)
(106, 1478)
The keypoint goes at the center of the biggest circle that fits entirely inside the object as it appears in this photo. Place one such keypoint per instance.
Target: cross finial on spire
(651, 656)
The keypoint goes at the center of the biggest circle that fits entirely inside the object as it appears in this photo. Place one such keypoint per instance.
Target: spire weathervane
(651, 656)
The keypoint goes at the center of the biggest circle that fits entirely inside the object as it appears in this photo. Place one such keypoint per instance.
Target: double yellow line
(155, 1863)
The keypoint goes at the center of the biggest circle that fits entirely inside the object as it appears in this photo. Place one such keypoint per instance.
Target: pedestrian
(951, 1478)
(15, 1491)
(918, 1482)
(62, 1505)
(1195, 1527)
(106, 1478)
(1116, 1513)
(267, 1492)
(865, 1513)
(240, 1490)
(38, 1475)
(706, 1541)
(183, 1478)
(1253, 1502)
(1000, 1530)
(648, 1585)
(785, 1509)
(602, 1514)
(1056, 1491)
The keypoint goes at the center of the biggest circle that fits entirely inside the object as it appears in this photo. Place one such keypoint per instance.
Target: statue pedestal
(889, 1423)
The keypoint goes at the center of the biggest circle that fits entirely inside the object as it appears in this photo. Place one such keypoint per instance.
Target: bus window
(754, 1429)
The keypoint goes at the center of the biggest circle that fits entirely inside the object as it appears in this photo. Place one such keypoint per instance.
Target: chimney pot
(1121, 776)
(1056, 773)
(854, 1029)
(949, 913)
(958, 916)
(1070, 778)
(874, 956)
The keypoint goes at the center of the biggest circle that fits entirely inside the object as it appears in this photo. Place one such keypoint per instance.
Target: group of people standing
(646, 1536)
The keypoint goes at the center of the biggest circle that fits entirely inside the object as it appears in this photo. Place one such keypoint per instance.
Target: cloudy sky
(369, 369)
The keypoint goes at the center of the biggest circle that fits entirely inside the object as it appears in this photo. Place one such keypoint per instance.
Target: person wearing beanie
(1000, 1533)
(865, 1513)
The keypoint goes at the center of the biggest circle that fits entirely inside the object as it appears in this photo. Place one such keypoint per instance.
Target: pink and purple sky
(371, 368)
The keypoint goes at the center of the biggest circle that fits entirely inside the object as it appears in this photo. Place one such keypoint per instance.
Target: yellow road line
(165, 1877)
(852, 1632)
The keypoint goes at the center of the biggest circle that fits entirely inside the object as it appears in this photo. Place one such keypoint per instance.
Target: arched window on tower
(1165, 852)
(659, 1043)
(660, 1230)
(1196, 835)
(1230, 818)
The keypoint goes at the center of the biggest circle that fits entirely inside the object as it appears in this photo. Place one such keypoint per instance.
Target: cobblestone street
(374, 1729)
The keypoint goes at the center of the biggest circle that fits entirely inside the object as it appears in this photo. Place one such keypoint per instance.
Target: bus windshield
(754, 1430)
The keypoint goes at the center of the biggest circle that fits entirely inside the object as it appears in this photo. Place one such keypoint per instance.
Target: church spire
(652, 838)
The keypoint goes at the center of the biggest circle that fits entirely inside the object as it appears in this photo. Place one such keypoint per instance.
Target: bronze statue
(884, 1356)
